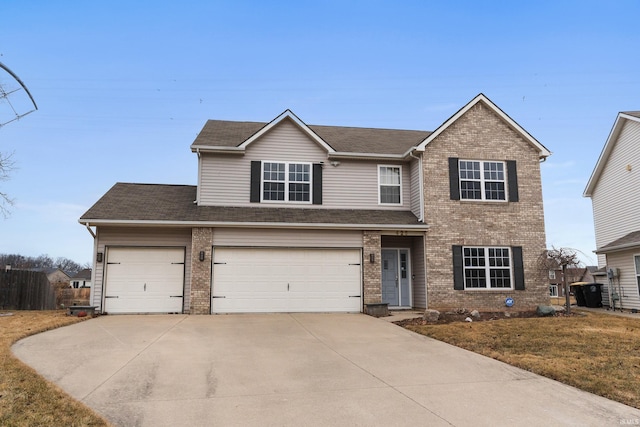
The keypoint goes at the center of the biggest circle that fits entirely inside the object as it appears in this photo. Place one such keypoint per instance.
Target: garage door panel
(144, 280)
(286, 280)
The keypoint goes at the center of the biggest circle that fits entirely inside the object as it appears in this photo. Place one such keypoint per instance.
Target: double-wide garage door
(286, 280)
(144, 280)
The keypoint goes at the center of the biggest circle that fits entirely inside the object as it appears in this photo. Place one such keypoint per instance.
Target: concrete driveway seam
(134, 357)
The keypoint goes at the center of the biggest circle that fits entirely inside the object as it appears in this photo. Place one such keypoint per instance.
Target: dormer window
(286, 182)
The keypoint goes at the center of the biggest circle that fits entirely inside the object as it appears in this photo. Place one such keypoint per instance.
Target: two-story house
(291, 217)
(612, 188)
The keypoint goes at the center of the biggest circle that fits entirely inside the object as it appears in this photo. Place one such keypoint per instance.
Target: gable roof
(173, 205)
(83, 274)
(542, 150)
(232, 136)
(621, 119)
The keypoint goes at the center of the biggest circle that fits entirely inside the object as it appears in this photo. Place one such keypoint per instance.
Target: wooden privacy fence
(69, 297)
(26, 290)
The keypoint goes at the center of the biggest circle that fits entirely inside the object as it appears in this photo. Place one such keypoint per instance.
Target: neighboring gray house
(81, 279)
(290, 217)
(613, 189)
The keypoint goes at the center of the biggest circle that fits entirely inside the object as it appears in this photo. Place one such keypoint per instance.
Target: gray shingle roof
(222, 133)
(128, 203)
(628, 241)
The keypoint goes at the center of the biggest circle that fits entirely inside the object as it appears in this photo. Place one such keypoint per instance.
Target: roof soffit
(543, 152)
(609, 145)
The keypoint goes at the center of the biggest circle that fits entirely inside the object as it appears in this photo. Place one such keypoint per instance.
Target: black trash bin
(593, 294)
(578, 293)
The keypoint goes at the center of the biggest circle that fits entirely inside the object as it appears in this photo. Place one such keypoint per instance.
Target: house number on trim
(401, 233)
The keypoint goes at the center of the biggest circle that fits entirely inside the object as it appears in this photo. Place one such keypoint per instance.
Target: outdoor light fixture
(99, 257)
(372, 258)
(201, 256)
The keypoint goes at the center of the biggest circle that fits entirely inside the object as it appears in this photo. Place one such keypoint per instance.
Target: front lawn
(598, 353)
(27, 399)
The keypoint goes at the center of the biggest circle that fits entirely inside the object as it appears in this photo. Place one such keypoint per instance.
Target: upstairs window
(389, 185)
(482, 180)
(286, 182)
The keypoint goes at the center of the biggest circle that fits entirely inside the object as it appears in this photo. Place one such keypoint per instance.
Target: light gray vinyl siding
(225, 179)
(141, 237)
(616, 201)
(245, 237)
(626, 284)
(419, 290)
(415, 187)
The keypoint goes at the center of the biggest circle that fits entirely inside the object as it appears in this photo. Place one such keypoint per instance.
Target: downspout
(94, 263)
(90, 230)
(421, 179)
(197, 200)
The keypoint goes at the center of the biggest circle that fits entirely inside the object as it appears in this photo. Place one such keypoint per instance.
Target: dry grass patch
(27, 399)
(597, 353)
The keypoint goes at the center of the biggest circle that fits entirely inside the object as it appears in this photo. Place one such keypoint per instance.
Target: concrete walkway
(296, 370)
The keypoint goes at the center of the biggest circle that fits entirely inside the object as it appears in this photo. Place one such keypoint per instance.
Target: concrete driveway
(296, 369)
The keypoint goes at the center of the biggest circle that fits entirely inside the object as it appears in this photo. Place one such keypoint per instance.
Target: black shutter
(458, 268)
(454, 178)
(512, 180)
(518, 267)
(317, 184)
(256, 171)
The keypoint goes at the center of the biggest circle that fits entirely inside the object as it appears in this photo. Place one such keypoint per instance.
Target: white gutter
(217, 149)
(417, 227)
(420, 177)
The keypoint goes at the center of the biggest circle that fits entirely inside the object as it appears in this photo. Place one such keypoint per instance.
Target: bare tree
(563, 258)
(6, 166)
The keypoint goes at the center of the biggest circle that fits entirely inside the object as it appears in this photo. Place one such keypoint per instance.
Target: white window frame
(482, 180)
(286, 182)
(553, 293)
(487, 268)
(399, 185)
(552, 274)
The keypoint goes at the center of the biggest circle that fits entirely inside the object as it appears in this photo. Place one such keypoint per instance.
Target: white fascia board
(606, 152)
(216, 149)
(288, 114)
(145, 223)
(371, 156)
(542, 150)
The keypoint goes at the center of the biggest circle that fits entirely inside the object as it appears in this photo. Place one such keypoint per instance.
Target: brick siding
(371, 243)
(201, 240)
(481, 135)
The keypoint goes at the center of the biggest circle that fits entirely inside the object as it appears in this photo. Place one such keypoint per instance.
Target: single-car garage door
(144, 280)
(286, 280)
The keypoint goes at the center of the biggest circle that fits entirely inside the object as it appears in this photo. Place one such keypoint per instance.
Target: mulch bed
(461, 315)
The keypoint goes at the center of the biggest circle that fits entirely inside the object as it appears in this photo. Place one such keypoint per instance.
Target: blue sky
(124, 87)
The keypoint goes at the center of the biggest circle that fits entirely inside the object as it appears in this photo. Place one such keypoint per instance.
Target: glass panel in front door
(405, 283)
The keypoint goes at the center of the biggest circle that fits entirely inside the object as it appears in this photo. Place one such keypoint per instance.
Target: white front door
(286, 280)
(396, 278)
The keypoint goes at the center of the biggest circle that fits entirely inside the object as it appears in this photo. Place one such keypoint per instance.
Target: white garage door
(286, 280)
(144, 280)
